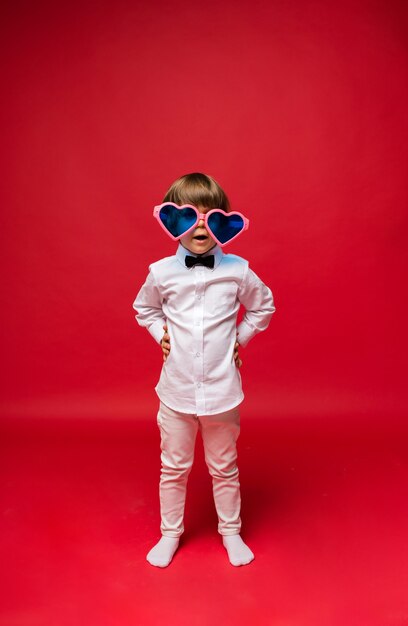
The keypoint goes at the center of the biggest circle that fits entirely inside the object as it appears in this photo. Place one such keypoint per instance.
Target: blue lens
(177, 221)
(225, 227)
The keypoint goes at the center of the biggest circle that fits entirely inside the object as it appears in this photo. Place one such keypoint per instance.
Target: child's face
(198, 240)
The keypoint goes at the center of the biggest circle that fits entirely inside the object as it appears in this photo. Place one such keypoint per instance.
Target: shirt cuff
(156, 330)
(245, 333)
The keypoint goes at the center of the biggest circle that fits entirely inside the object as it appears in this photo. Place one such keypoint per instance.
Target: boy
(194, 296)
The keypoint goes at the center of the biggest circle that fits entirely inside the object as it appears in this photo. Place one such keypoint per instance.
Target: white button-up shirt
(200, 307)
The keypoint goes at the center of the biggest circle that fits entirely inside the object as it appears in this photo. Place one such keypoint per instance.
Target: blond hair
(198, 189)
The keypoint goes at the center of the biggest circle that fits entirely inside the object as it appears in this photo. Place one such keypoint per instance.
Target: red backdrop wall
(298, 109)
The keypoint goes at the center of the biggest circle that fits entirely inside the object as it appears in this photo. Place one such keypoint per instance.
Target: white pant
(178, 434)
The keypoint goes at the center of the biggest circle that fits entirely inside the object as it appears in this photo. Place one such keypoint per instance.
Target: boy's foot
(238, 551)
(162, 553)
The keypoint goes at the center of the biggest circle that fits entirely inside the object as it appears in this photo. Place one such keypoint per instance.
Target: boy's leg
(220, 433)
(178, 434)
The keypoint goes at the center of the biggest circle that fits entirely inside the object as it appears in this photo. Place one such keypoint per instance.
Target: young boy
(194, 296)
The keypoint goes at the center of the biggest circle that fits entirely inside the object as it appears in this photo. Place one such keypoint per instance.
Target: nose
(201, 223)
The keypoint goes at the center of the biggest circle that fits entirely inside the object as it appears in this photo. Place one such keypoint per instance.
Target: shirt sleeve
(257, 299)
(148, 307)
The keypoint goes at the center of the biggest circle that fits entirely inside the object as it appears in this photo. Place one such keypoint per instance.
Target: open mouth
(201, 237)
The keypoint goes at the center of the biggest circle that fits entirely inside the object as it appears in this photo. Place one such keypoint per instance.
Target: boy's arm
(148, 305)
(257, 299)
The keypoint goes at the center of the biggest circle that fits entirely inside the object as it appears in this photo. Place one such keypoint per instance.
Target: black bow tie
(208, 261)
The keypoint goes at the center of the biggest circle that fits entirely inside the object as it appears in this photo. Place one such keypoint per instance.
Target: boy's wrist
(244, 334)
(156, 330)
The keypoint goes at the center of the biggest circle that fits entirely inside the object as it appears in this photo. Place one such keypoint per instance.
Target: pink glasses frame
(200, 216)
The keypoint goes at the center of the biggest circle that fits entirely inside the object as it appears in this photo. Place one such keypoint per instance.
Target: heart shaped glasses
(177, 221)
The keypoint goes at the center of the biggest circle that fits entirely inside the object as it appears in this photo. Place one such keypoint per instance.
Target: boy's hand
(165, 343)
(238, 361)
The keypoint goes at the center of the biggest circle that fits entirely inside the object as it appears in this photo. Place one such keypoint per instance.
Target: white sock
(162, 553)
(238, 551)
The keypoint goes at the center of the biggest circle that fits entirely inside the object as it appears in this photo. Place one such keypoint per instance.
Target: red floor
(325, 511)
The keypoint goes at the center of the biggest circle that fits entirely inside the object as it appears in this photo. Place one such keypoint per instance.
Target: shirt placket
(198, 339)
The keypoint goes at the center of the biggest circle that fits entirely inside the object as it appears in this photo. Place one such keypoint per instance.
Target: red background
(298, 109)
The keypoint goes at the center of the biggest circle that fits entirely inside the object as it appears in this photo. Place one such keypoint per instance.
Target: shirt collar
(183, 252)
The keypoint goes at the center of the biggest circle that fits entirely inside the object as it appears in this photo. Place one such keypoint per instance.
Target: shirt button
(198, 354)
(198, 323)
(198, 297)
(198, 384)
